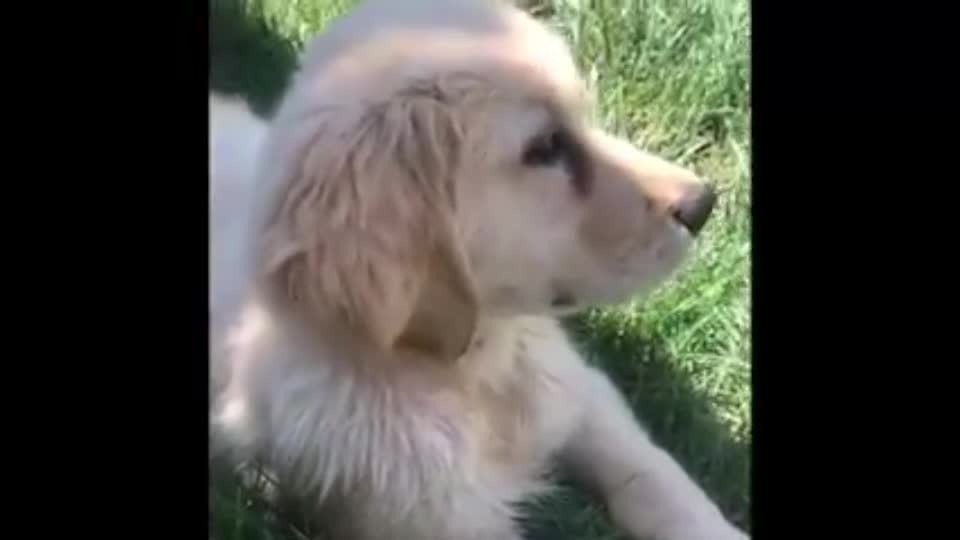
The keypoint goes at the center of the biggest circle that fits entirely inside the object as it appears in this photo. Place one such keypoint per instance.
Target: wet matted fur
(388, 258)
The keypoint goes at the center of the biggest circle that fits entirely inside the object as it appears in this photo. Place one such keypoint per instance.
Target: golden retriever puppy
(389, 254)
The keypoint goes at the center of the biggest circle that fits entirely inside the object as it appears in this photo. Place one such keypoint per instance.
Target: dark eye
(545, 150)
(561, 147)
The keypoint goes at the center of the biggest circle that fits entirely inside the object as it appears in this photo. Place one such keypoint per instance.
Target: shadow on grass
(247, 57)
(678, 417)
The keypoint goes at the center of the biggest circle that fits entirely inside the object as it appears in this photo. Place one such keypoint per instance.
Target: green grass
(674, 76)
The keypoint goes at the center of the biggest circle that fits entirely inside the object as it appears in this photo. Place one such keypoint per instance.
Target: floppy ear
(365, 230)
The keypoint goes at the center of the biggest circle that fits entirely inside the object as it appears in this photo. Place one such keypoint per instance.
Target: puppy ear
(365, 230)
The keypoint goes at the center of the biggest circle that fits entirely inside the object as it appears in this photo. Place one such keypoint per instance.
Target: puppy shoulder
(547, 352)
(545, 339)
(555, 374)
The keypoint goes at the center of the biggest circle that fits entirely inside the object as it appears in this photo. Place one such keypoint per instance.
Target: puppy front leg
(647, 492)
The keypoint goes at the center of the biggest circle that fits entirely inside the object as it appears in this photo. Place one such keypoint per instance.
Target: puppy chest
(485, 437)
(417, 446)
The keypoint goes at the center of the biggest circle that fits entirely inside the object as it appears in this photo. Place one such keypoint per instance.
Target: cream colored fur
(386, 266)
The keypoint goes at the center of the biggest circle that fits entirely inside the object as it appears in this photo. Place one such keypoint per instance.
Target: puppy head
(436, 163)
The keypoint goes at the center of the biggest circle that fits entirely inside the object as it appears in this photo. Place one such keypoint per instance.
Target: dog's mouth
(563, 300)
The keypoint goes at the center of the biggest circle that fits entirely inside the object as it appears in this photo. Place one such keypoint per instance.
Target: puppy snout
(693, 208)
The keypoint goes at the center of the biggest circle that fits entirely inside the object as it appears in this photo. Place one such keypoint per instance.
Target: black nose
(693, 209)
